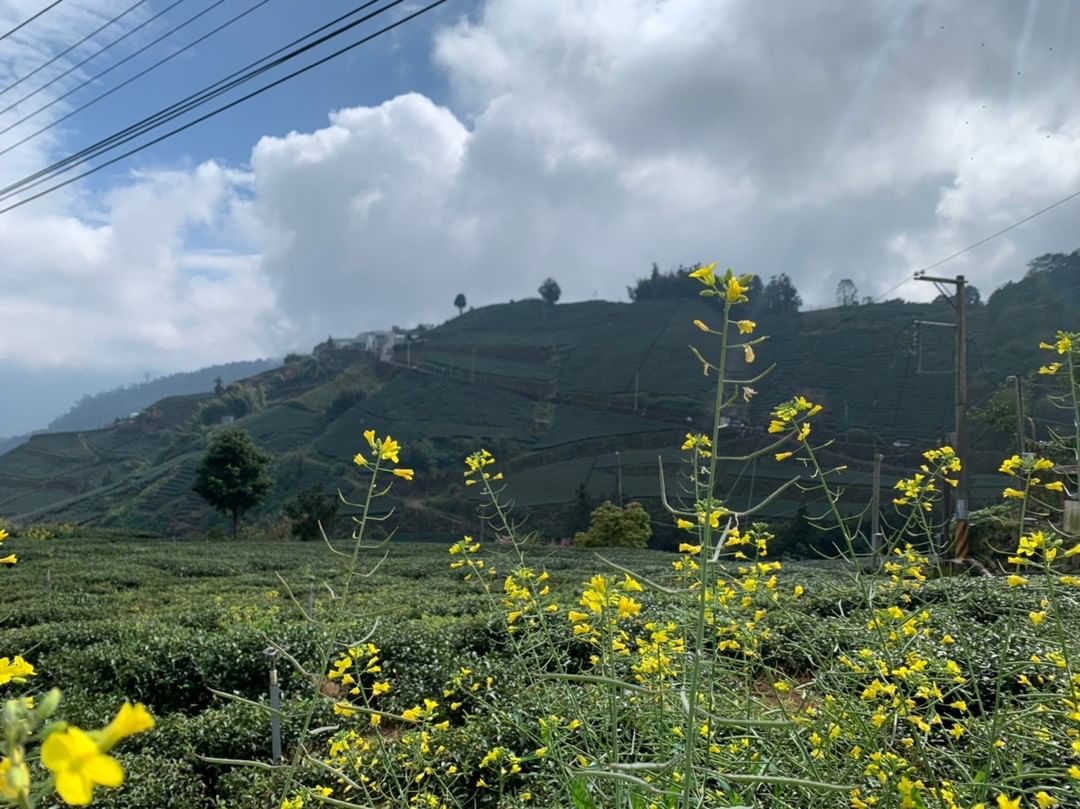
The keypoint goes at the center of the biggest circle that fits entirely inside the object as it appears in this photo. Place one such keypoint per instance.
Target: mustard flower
(705, 274)
(746, 326)
(129, 720)
(14, 778)
(406, 474)
(701, 325)
(16, 670)
(78, 765)
(735, 291)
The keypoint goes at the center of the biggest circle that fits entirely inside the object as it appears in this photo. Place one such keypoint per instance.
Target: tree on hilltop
(847, 294)
(780, 296)
(460, 303)
(233, 476)
(549, 291)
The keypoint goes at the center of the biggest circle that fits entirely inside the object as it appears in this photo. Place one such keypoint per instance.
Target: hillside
(102, 409)
(555, 391)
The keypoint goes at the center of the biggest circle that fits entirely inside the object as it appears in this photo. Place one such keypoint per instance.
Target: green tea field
(168, 623)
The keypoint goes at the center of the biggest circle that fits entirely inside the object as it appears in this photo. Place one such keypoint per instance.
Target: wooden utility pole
(1018, 387)
(618, 477)
(960, 511)
(875, 512)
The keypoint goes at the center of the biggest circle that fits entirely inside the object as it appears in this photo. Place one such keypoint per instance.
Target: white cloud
(582, 140)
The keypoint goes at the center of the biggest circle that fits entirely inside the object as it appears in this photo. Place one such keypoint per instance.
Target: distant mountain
(583, 394)
(102, 409)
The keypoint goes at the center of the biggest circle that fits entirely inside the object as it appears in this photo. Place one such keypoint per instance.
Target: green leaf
(579, 794)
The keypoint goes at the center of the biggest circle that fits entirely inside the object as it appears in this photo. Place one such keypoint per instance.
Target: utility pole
(875, 510)
(960, 511)
(1018, 387)
(618, 476)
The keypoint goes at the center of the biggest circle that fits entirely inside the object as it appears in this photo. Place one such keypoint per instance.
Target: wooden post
(875, 512)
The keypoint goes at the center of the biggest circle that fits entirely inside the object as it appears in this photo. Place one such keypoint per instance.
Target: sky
(489, 144)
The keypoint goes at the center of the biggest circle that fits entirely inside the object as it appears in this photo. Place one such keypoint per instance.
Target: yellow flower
(1010, 465)
(1011, 492)
(783, 456)
(748, 353)
(689, 526)
(14, 779)
(388, 449)
(1005, 802)
(16, 670)
(10, 559)
(1064, 344)
(3, 534)
(701, 325)
(1016, 581)
(1055, 486)
(407, 474)
(1050, 370)
(735, 290)
(1045, 800)
(370, 436)
(628, 607)
(78, 766)
(359, 459)
(129, 720)
(1037, 617)
(746, 326)
(804, 431)
(686, 547)
(705, 274)
(344, 709)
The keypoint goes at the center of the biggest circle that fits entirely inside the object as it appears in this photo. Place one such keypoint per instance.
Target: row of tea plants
(665, 691)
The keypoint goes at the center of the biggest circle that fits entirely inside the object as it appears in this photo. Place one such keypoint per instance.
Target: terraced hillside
(569, 395)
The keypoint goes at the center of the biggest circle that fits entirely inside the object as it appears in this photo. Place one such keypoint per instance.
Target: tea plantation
(111, 617)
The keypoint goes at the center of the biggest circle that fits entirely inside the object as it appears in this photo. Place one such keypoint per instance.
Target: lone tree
(233, 474)
(847, 294)
(549, 291)
(460, 303)
(614, 527)
(308, 510)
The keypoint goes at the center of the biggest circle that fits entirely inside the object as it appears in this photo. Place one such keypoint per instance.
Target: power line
(231, 104)
(983, 241)
(93, 56)
(190, 102)
(69, 49)
(29, 20)
(112, 67)
(1003, 231)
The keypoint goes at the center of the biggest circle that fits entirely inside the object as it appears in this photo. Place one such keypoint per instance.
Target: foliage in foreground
(666, 691)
